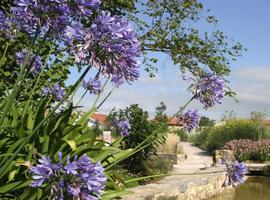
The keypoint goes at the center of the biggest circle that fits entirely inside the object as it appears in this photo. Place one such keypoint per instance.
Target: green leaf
(11, 175)
(45, 146)
(30, 121)
(72, 144)
(105, 152)
(10, 186)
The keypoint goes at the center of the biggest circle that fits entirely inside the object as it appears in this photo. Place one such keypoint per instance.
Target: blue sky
(246, 21)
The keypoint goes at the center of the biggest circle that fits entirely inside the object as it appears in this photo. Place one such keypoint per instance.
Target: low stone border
(181, 187)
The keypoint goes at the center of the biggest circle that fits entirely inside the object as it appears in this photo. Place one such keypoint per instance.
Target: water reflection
(255, 188)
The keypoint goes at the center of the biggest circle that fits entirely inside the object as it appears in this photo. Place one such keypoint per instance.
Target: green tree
(141, 128)
(205, 121)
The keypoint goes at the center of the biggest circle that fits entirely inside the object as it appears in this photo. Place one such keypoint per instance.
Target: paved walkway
(196, 159)
(184, 187)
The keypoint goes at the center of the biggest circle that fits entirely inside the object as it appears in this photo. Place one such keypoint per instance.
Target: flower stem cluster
(190, 119)
(77, 179)
(235, 172)
(56, 91)
(112, 46)
(36, 65)
(123, 126)
(209, 90)
(92, 85)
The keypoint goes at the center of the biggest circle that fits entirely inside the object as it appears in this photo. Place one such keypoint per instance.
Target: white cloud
(251, 83)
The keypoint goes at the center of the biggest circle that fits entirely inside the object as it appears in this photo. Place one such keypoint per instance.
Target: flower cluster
(58, 16)
(123, 126)
(109, 44)
(78, 179)
(190, 119)
(235, 172)
(92, 85)
(56, 91)
(209, 89)
(112, 46)
(246, 149)
(33, 60)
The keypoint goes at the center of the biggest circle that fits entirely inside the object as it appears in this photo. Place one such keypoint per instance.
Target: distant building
(266, 122)
(174, 124)
(98, 119)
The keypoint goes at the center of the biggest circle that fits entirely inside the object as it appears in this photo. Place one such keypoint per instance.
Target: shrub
(249, 149)
(182, 135)
(212, 138)
(158, 165)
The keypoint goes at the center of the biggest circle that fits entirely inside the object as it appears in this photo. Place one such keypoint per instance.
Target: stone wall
(181, 187)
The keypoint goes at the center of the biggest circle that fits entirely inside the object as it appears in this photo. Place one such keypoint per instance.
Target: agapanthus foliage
(112, 46)
(77, 179)
(208, 89)
(56, 91)
(34, 62)
(123, 126)
(189, 119)
(235, 172)
(92, 85)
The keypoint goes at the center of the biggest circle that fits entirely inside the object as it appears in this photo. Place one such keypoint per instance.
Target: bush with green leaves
(213, 138)
(141, 129)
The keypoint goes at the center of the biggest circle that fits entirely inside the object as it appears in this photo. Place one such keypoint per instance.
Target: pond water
(254, 188)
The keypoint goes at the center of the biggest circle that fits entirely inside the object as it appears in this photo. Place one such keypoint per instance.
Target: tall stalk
(142, 145)
(5, 168)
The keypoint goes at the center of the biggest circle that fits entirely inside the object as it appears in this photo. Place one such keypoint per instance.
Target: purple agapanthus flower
(92, 85)
(112, 46)
(36, 65)
(87, 6)
(235, 172)
(189, 119)
(56, 91)
(74, 32)
(78, 179)
(209, 90)
(58, 16)
(42, 172)
(123, 126)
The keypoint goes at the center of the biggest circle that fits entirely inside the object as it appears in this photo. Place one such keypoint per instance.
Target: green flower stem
(102, 90)
(177, 113)
(21, 77)
(4, 169)
(4, 54)
(15, 89)
(81, 98)
(142, 145)
(108, 95)
(93, 107)
(35, 86)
